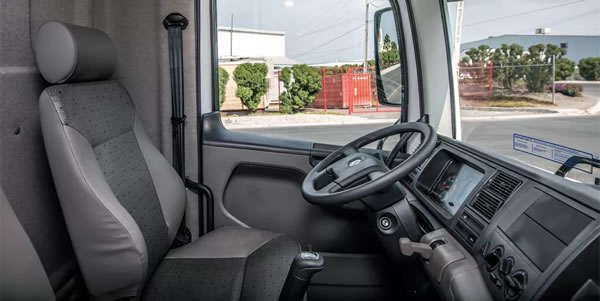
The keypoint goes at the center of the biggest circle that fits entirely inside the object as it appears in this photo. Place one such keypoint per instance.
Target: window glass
(306, 69)
(508, 64)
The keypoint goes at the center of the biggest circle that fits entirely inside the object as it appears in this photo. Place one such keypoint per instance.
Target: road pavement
(582, 133)
(592, 89)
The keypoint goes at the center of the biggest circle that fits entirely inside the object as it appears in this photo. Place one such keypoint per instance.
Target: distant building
(246, 45)
(577, 46)
(249, 43)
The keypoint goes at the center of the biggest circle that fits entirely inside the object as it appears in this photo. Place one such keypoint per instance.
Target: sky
(321, 31)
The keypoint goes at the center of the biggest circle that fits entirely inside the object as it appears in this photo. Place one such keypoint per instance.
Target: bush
(589, 68)
(252, 84)
(223, 79)
(564, 68)
(302, 84)
(567, 89)
(538, 77)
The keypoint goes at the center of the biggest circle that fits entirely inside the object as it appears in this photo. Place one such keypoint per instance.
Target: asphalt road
(582, 133)
(591, 89)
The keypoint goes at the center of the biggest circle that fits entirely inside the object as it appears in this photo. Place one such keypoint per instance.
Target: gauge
(442, 189)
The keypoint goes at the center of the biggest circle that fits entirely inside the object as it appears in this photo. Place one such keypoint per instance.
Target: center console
(525, 233)
(523, 246)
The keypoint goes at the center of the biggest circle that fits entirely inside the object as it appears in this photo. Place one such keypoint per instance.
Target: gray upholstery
(123, 202)
(69, 53)
(230, 263)
(22, 275)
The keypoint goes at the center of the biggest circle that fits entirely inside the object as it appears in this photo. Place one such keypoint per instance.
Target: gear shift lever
(305, 265)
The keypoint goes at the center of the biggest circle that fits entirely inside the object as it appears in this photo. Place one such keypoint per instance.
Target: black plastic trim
(215, 134)
(400, 36)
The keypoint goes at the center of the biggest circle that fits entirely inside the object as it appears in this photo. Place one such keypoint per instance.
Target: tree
(564, 68)
(223, 79)
(252, 85)
(483, 53)
(507, 55)
(387, 43)
(538, 77)
(302, 84)
(589, 68)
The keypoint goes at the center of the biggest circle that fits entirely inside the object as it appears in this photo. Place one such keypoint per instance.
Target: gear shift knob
(305, 265)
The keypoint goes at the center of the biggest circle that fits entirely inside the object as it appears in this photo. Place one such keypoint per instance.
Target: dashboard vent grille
(495, 193)
(504, 185)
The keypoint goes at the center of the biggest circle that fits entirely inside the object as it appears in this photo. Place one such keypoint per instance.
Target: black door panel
(256, 182)
(269, 197)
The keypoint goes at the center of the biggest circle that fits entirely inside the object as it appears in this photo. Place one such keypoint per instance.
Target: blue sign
(549, 151)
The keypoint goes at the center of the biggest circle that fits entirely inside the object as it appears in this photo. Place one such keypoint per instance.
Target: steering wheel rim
(339, 165)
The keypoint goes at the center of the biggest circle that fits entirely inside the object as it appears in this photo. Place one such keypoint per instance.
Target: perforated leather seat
(123, 202)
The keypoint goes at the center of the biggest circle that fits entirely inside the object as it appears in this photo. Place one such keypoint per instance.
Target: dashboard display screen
(455, 185)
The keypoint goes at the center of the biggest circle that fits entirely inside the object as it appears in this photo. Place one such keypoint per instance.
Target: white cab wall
(434, 64)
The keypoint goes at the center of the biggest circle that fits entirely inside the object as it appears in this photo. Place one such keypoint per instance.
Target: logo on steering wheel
(355, 162)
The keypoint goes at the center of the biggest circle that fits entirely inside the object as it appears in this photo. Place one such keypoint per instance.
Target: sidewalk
(565, 106)
(279, 121)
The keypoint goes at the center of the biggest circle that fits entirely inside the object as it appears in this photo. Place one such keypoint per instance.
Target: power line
(320, 20)
(328, 28)
(309, 23)
(523, 13)
(332, 40)
(332, 51)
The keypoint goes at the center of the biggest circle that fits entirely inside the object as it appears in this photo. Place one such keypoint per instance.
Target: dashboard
(532, 235)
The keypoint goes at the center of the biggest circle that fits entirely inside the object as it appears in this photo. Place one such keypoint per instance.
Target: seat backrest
(122, 201)
(22, 276)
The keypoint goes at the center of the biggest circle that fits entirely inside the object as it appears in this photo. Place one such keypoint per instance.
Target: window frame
(400, 38)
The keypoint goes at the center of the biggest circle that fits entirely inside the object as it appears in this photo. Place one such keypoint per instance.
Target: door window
(305, 69)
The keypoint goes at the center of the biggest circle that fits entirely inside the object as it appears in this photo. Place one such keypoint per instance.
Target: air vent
(504, 185)
(494, 194)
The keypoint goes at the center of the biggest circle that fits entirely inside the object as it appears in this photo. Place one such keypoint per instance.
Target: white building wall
(250, 43)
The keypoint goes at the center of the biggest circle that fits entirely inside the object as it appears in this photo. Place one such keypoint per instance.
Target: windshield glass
(289, 70)
(529, 80)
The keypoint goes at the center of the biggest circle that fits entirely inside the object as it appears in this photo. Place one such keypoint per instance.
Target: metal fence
(484, 81)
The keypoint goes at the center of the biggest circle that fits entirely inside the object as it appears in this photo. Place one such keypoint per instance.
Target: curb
(495, 109)
(309, 124)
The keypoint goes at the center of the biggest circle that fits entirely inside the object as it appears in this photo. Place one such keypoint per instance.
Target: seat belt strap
(175, 23)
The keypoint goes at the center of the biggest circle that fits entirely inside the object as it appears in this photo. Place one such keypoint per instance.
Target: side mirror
(389, 61)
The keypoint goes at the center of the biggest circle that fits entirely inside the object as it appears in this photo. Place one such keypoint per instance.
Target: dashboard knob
(515, 284)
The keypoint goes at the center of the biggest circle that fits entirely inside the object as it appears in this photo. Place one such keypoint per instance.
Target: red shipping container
(345, 89)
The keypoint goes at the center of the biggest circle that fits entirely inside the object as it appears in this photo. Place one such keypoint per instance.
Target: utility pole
(553, 78)
(231, 38)
(366, 62)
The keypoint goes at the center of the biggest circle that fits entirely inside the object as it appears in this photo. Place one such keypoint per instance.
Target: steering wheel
(348, 174)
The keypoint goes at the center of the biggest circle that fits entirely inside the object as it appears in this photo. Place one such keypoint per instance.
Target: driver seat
(121, 199)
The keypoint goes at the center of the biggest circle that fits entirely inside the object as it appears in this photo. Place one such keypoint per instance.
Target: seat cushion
(230, 263)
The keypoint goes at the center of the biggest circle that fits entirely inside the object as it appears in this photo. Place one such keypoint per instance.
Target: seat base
(230, 263)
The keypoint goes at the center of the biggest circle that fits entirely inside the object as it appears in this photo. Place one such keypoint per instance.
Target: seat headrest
(70, 53)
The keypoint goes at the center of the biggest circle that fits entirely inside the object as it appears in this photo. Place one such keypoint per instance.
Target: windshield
(529, 80)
